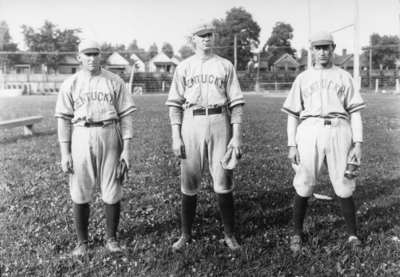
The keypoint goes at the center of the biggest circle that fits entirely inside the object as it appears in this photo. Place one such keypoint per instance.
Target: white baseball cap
(89, 46)
(321, 38)
(202, 28)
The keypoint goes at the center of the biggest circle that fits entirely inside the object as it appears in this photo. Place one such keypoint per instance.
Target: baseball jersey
(97, 98)
(205, 83)
(326, 93)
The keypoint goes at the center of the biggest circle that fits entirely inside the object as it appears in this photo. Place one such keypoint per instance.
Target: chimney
(344, 52)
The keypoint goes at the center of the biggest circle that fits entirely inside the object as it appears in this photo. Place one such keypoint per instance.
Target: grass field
(37, 231)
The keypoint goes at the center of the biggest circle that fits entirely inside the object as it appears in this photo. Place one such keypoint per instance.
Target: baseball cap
(203, 27)
(321, 38)
(89, 46)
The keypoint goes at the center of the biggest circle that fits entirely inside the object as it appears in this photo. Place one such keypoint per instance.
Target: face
(90, 61)
(323, 53)
(204, 42)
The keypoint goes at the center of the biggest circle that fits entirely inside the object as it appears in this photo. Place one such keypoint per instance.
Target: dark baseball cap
(321, 38)
(89, 46)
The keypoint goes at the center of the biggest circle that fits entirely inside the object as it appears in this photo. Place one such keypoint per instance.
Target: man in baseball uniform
(205, 103)
(97, 106)
(324, 124)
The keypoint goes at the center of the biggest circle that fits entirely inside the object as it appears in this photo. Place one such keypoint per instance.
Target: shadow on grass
(9, 139)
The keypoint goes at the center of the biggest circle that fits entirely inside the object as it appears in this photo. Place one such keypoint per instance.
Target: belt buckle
(327, 122)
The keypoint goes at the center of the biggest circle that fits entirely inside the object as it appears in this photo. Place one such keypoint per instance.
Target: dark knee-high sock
(188, 212)
(349, 213)
(81, 217)
(113, 212)
(299, 213)
(227, 210)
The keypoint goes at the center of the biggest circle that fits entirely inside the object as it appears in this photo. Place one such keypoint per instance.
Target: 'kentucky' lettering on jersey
(93, 96)
(204, 78)
(325, 84)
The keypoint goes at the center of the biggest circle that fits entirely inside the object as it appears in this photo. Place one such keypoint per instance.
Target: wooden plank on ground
(26, 121)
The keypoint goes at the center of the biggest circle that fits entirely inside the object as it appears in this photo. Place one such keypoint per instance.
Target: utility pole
(356, 64)
(234, 52)
(309, 58)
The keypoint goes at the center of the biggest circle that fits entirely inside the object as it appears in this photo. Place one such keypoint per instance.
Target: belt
(327, 122)
(210, 111)
(94, 124)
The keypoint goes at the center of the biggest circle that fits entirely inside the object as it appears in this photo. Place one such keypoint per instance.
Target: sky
(159, 21)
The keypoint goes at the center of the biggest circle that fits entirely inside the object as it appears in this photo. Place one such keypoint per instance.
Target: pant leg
(340, 142)
(82, 182)
(193, 132)
(220, 135)
(310, 138)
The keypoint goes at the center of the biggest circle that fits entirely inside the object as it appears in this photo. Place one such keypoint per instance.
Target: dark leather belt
(327, 122)
(210, 111)
(94, 124)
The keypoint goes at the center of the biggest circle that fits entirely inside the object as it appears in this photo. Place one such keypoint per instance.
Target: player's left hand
(355, 151)
(126, 156)
(236, 143)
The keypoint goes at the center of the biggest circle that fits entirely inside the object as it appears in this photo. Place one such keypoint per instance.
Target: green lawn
(37, 231)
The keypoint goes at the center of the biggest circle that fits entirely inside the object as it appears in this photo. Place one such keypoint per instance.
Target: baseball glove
(230, 159)
(122, 171)
(352, 169)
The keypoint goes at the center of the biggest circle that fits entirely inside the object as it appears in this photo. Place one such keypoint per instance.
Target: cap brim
(321, 42)
(203, 32)
(91, 50)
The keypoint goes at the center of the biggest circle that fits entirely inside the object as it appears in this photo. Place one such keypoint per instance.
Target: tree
(7, 45)
(304, 52)
(168, 50)
(50, 39)
(237, 21)
(186, 51)
(153, 50)
(279, 41)
(385, 50)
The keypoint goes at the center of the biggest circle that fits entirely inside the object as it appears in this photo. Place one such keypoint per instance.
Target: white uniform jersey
(205, 83)
(326, 93)
(97, 98)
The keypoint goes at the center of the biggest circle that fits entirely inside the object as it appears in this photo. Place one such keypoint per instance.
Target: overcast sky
(159, 21)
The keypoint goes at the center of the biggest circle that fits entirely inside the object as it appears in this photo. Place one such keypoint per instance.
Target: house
(162, 63)
(285, 62)
(118, 64)
(69, 65)
(344, 61)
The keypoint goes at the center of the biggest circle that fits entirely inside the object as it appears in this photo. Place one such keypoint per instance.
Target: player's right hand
(294, 155)
(179, 148)
(67, 164)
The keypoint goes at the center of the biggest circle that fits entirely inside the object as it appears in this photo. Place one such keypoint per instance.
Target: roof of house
(117, 59)
(285, 59)
(161, 59)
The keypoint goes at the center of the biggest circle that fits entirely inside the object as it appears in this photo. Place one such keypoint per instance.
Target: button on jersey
(326, 93)
(96, 98)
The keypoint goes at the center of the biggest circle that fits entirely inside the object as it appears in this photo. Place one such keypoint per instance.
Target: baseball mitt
(230, 159)
(122, 171)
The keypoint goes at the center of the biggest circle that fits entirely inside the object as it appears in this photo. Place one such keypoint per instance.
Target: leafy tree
(385, 50)
(186, 51)
(304, 52)
(237, 21)
(167, 49)
(7, 45)
(153, 50)
(50, 39)
(279, 41)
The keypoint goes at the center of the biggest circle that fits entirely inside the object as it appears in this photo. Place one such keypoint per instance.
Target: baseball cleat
(112, 245)
(80, 249)
(181, 243)
(355, 244)
(295, 245)
(232, 243)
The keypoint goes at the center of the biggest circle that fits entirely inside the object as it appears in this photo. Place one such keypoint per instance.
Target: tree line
(237, 23)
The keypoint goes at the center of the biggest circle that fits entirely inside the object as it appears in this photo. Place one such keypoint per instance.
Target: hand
(355, 151)
(126, 156)
(67, 164)
(122, 171)
(236, 143)
(294, 155)
(179, 148)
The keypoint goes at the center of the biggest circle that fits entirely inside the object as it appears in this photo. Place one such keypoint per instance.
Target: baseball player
(325, 101)
(205, 103)
(94, 101)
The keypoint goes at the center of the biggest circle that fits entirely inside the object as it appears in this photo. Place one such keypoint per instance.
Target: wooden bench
(27, 122)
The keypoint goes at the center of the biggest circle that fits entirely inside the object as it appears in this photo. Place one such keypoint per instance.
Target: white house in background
(140, 60)
(118, 64)
(162, 63)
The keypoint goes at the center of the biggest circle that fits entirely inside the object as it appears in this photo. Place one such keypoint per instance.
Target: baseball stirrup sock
(188, 213)
(81, 217)
(113, 212)
(349, 213)
(227, 210)
(299, 213)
